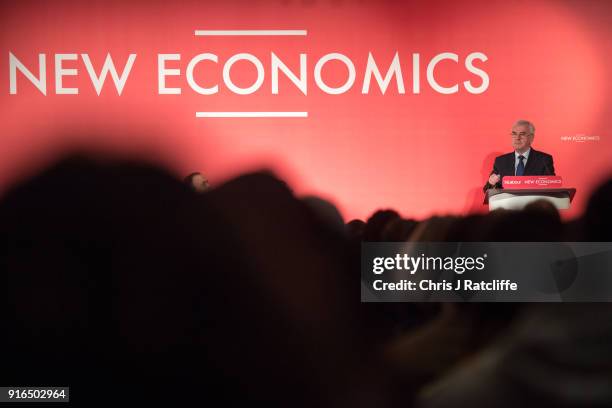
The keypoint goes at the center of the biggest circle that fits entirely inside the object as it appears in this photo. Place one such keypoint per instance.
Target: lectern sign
(532, 182)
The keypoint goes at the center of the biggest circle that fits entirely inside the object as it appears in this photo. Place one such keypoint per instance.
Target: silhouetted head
(325, 212)
(399, 230)
(355, 229)
(598, 216)
(377, 223)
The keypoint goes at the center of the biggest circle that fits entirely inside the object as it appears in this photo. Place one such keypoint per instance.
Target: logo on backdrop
(581, 138)
(310, 72)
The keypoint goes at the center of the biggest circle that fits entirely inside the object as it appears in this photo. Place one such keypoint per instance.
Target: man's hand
(494, 179)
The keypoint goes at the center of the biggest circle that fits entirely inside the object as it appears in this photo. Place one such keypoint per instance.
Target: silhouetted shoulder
(546, 155)
(504, 157)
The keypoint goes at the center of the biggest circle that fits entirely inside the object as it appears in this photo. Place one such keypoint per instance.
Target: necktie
(520, 169)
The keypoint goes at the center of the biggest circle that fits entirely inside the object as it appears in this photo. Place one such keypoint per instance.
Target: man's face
(200, 183)
(521, 138)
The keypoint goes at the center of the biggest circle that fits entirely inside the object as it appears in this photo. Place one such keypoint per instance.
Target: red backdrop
(426, 153)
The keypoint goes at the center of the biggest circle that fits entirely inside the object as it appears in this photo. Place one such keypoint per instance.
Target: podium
(517, 199)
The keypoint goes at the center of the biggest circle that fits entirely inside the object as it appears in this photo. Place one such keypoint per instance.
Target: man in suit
(523, 161)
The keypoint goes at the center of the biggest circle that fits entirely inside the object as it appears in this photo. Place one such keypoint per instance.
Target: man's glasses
(519, 135)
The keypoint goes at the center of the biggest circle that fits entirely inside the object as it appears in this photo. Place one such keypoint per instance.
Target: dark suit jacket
(538, 164)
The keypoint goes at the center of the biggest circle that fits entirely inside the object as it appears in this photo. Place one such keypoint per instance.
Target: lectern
(517, 199)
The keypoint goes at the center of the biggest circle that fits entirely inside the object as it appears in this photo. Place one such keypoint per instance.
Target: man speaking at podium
(523, 161)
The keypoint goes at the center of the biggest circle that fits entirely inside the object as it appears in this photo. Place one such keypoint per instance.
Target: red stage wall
(420, 152)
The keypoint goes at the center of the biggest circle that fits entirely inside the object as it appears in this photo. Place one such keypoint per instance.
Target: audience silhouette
(124, 283)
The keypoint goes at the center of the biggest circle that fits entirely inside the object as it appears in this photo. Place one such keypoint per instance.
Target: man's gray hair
(522, 122)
